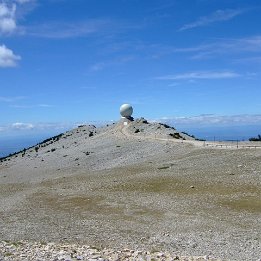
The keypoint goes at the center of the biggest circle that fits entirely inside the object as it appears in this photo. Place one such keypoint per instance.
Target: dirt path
(217, 145)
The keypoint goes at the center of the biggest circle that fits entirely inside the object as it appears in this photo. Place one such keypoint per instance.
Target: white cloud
(114, 62)
(22, 106)
(11, 99)
(200, 75)
(8, 15)
(245, 46)
(247, 49)
(211, 119)
(23, 1)
(98, 66)
(217, 16)
(7, 18)
(19, 106)
(7, 57)
(60, 30)
(234, 49)
(44, 105)
(22, 126)
(42, 127)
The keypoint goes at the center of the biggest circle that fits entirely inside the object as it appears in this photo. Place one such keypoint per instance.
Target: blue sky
(72, 61)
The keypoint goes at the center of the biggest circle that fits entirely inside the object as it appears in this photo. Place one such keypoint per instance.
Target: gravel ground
(118, 188)
(23, 251)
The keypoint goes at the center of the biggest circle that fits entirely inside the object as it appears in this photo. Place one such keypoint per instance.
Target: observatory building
(126, 111)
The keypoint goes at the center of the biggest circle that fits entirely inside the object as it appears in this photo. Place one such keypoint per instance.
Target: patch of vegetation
(249, 204)
(175, 135)
(165, 125)
(13, 154)
(8, 254)
(142, 120)
(258, 138)
(44, 143)
(52, 139)
(16, 244)
(163, 167)
(192, 136)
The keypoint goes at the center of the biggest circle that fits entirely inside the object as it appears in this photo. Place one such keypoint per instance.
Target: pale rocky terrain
(134, 192)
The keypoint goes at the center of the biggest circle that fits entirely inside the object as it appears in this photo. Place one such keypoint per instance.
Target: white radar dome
(126, 110)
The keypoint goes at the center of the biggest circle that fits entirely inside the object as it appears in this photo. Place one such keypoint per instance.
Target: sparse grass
(175, 135)
(8, 254)
(181, 186)
(249, 204)
(17, 244)
(164, 167)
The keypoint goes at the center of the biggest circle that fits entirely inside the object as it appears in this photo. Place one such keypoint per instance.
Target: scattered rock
(55, 252)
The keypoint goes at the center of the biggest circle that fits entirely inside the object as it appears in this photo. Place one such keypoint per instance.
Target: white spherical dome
(126, 110)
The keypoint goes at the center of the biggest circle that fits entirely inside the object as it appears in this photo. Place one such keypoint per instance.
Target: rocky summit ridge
(73, 141)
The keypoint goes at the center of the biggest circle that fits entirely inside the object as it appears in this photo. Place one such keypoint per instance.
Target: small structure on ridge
(126, 111)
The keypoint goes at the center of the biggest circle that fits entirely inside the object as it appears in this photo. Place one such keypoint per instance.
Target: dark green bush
(258, 138)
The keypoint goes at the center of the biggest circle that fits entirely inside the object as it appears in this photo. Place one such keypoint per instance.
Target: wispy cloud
(61, 30)
(200, 75)
(19, 106)
(44, 105)
(117, 61)
(91, 87)
(211, 119)
(24, 1)
(11, 99)
(245, 46)
(22, 126)
(27, 126)
(47, 126)
(234, 49)
(217, 16)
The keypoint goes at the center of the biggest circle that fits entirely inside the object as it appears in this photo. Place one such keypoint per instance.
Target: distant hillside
(139, 127)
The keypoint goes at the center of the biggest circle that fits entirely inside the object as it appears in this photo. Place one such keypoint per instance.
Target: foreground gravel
(26, 251)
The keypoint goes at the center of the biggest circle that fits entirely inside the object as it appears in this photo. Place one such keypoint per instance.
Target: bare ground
(120, 189)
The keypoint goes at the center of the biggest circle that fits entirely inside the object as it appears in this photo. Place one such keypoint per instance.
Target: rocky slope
(133, 186)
